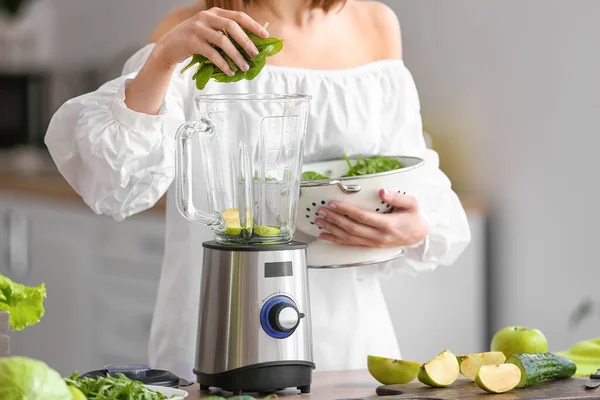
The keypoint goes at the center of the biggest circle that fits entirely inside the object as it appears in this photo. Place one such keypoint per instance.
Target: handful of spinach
(363, 166)
(206, 69)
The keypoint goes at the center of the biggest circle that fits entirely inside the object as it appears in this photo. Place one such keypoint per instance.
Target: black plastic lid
(254, 247)
(153, 377)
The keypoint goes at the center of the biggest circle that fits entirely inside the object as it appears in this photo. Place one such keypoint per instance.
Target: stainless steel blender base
(254, 326)
(260, 378)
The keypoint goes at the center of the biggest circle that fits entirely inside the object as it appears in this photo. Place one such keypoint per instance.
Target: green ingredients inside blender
(206, 70)
(363, 166)
(234, 227)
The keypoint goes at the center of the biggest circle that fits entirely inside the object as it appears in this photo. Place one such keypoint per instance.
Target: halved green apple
(441, 371)
(389, 371)
(499, 378)
(470, 363)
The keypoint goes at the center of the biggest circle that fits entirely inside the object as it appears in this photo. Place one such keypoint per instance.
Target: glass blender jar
(250, 147)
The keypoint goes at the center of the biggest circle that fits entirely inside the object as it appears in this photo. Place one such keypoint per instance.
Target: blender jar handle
(184, 177)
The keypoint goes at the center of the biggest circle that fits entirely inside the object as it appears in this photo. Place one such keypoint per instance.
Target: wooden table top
(326, 385)
(356, 385)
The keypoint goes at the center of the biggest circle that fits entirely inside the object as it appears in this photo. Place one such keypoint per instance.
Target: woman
(115, 147)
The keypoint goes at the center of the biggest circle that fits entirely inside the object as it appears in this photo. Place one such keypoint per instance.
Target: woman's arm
(115, 145)
(431, 225)
(118, 160)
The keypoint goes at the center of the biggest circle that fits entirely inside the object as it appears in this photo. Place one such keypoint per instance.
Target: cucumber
(539, 367)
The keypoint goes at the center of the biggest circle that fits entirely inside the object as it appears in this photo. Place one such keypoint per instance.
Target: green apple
(388, 371)
(469, 364)
(519, 340)
(499, 378)
(441, 371)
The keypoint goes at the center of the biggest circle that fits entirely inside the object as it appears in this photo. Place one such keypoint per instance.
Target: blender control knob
(279, 317)
(284, 317)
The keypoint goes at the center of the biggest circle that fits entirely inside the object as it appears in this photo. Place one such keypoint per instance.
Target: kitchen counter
(51, 186)
(326, 386)
(357, 385)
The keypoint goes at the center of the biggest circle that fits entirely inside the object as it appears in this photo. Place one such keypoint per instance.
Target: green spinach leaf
(372, 165)
(206, 70)
(363, 166)
(312, 176)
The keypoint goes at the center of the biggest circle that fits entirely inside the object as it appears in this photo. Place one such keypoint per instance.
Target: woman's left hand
(352, 225)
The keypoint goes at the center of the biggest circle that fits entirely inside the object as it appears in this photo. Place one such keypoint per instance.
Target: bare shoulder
(384, 26)
(174, 18)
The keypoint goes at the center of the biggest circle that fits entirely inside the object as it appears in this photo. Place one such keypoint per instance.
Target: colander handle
(183, 177)
(348, 189)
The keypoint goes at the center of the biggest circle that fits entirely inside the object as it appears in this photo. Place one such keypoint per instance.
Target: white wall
(509, 91)
(93, 32)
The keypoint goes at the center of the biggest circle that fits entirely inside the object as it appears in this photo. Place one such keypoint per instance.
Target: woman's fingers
(361, 215)
(244, 21)
(350, 226)
(337, 234)
(399, 200)
(222, 41)
(214, 23)
(215, 57)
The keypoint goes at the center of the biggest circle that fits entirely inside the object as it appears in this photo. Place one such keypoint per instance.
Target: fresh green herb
(371, 165)
(312, 176)
(25, 304)
(206, 69)
(363, 166)
(113, 388)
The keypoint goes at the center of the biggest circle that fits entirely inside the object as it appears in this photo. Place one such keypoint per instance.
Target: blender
(245, 153)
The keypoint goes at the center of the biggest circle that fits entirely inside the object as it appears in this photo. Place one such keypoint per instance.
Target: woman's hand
(351, 225)
(198, 34)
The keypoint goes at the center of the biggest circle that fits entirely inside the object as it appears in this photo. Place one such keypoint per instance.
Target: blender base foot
(204, 388)
(261, 378)
(304, 389)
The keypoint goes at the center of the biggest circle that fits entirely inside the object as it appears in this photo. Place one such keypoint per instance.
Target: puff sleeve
(119, 161)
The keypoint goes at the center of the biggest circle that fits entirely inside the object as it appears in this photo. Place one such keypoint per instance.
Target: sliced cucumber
(536, 368)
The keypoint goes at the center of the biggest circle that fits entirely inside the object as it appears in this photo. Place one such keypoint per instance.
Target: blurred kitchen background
(509, 93)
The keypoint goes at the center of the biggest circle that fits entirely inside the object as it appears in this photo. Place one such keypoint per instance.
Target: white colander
(362, 191)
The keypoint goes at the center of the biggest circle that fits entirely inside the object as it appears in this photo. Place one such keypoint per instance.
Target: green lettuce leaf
(25, 304)
(25, 378)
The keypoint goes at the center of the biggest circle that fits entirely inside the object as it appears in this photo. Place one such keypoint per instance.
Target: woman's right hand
(197, 35)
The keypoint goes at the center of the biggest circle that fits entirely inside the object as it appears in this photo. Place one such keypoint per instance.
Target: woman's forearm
(146, 92)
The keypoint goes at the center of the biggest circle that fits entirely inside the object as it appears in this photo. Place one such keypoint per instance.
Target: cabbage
(23, 378)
